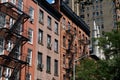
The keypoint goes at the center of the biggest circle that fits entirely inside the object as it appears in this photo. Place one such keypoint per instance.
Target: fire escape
(71, 50)
(9, 59)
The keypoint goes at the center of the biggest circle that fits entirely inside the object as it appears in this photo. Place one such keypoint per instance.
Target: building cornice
(50, 9)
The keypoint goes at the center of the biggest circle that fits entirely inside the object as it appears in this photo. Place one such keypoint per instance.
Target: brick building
(39, 41)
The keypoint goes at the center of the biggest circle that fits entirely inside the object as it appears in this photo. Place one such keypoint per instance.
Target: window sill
(49, 27)
(56, 33)
(40, 43)
(56, 52)
(49, 47)
(41, 23)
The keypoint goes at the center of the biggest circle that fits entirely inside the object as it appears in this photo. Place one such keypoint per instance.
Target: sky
(50, 1)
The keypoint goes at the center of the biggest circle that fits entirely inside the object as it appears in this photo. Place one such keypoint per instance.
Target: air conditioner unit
(49, 45)
(31, 20)
(40, 66)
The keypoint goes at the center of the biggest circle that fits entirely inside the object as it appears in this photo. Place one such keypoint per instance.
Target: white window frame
(13, 1)
(7, 73)
(20, 4)
(11, 22)
(2, 1)
(30, 35)
(29, 57)
(31, 13)
(10, 45)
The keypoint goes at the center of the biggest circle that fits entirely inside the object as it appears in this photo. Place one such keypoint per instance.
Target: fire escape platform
(10, 9)
(4, 32)
(10, 62)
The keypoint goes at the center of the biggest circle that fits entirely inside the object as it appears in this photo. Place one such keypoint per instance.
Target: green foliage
(108, 69)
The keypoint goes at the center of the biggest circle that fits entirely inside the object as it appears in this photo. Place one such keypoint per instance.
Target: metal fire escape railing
(9, 60)
(71, 33)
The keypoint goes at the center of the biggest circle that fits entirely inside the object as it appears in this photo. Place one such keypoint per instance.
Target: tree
(108, 69)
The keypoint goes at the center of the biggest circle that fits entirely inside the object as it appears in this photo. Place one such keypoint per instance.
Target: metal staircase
(8, 59)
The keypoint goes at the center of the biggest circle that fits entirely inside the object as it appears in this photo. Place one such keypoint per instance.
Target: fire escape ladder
(70, 44)
(19, 42)
(18, 22)
(15, 71)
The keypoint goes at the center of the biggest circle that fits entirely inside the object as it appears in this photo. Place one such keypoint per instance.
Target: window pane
(20, 4)
(1, 45)
(31, 13)
(29, 56)
(30, 35)
(39, 58)
(48, 41)
(2, 20)
(40, 36)
(41, 16)
(48, 64)
(56, 27)
(49, 22)
(56, 45)
(28, 76)
(56, 67)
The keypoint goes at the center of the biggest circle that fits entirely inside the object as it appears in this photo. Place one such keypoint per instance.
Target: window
(69, 44)
(56, 67)
(31, 13)
(17, 77)
(48, 64)
(2, 20)
(30, 35)
(9, 45)
(41, 16)
(2, 1)
(29, 57)
(64, 41)
(49, 42)
(40, 36)
(49, 22)
(20, 4)
(7, 73)
(1, 45)
(17, 52)
(11, 22)
(64, 59)
(56, 27)
(13, 1)
(28, 76)
(63, 23)
(68, 25)
(56, 46)
(40, 65)
(39, 58)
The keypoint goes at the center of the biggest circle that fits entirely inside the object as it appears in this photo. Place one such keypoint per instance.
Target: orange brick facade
(53, 43)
